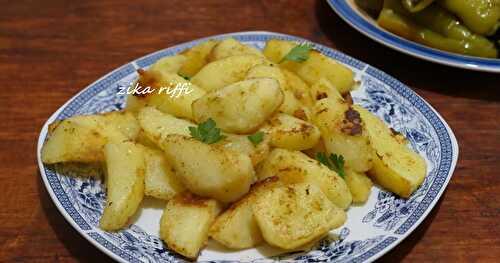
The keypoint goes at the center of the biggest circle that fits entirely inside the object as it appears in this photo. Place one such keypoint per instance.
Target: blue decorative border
(375, 250)
(346, 12)
(414, 99)
(119, 252)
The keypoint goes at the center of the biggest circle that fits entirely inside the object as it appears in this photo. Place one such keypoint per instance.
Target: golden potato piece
(209, 170)
(231, 47)
(290, 103)
(296, 167)
(241, 107)
(293, 215)
(185, 223)
(168, 64)
(343, 132)
(172, 93)
(160, 179)
(291, 133)
(323, 88)
(241, 144)
(124, 184)
(156, 125)
(359, 185)
(196, 58)
(237, 228)
(395, 166)
(223, 72)
(315, 67)
(299, 88)
(82, 138)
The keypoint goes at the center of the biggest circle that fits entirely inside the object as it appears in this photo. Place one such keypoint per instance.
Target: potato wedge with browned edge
(160, 180)
(395, 166)
(226, 71)
(343, 132)
(82, 138)
(209, 170)
(291, 133)
(241, 107)
(293, 215)
(315, 67)
(124, 183)
(185, 223)
(296, 167)
(231, 47)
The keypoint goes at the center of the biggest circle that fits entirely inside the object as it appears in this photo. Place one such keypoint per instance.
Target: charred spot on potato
(351, 124)
(321, 95)
(146, 79)
(348, 99)
(300, 114)
(192, 199)
(321, 111)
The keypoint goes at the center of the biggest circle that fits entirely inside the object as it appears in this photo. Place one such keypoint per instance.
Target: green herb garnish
(206, 132)
(299, 53)
(256, 138)
(334, 162)
(184, 76)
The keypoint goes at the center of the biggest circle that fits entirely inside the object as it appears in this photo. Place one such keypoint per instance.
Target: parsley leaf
(206, 132)
(256, 138)
(299, 53)
(334, 162)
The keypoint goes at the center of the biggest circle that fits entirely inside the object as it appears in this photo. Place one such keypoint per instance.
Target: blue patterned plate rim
(345, 10)
(444, 172)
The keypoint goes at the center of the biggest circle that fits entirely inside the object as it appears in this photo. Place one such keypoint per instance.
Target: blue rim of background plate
(447, 141)
(345, 11)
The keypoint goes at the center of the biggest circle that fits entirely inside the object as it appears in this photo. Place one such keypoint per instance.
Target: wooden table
(49, 50)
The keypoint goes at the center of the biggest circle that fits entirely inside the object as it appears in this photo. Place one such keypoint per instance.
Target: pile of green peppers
(467, 27)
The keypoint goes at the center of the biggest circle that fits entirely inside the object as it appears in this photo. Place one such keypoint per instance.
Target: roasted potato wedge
(343, 132)
(185, 223)
(160, 180)
(241, 107)
(323, 88)
(157, 125)
(82, 138)
(124, 183)
(196, 58)
(290, 103)
(223, 72)
(231, 47)
(209, 170)
(296, 167)
(241, 144)
(359, 185)
(299, 88)
(168, 64)
(315, 67)
(395, 166)
(291, 133)
(236, 227)
(135, 103)
(173, 94)
(293, 215)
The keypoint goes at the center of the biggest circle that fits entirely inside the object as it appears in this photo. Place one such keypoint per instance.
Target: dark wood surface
(49, 50)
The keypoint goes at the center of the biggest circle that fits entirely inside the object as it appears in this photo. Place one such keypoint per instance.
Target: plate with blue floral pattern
(371, 229)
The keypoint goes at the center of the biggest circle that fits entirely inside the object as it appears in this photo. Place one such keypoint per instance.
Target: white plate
(370, 231)
(360, 20)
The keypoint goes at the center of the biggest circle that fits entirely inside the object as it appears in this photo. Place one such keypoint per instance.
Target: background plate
(361, 21)
(370, 231)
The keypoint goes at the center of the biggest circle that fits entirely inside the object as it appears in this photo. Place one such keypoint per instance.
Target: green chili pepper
(480, 16)
(435, 28)
(416, 5)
